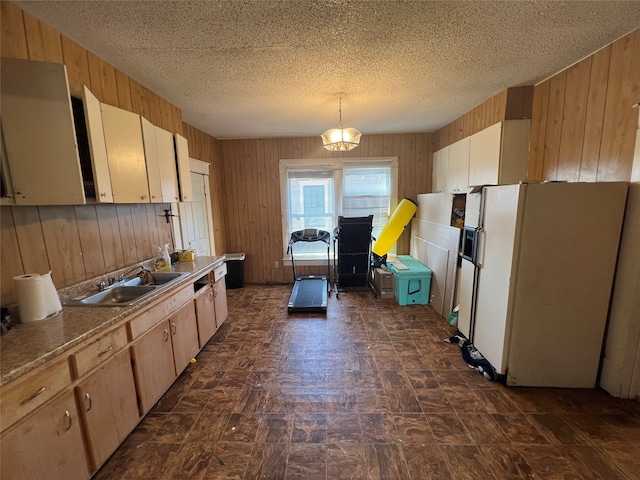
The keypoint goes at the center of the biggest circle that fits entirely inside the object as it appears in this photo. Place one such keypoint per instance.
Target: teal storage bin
(411, 286)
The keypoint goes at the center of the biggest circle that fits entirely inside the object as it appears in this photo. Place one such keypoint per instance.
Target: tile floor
(369, 391)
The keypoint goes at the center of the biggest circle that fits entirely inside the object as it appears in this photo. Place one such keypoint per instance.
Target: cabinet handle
(142, 197)
(173, 326)
(106, 351)
(166, 335)
(103, 194)
(27, 400)
(68, 420)
(87, 396)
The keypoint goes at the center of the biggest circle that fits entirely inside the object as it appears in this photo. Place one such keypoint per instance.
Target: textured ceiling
(242, 69)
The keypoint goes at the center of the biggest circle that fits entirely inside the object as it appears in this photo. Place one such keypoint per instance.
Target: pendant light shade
(341, 139)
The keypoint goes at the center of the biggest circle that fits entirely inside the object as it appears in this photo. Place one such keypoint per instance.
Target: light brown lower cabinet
(184, 335)
(153, 366)
(46, 444)
(108, 407)
(206, 315)
(220, 300)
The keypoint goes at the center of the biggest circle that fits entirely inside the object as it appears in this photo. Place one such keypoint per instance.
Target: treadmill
(310, 292)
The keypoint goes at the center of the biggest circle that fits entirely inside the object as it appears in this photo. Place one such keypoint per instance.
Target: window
(316, 192)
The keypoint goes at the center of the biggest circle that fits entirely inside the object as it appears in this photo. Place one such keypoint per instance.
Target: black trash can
(235, 270)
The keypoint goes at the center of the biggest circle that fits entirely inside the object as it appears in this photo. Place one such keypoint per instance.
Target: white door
(194, 217)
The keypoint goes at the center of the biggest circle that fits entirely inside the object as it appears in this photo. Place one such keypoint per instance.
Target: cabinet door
(167, 164)
(47, 444)
(484, 156)
(125, 151)
(151, 159)
(39, 133)
(220, 298)
(458, 170)
(153, 366)
(206, 315)
(184, 168)
(108, 406)
(440, 166)
(97, 147)
(184, 331)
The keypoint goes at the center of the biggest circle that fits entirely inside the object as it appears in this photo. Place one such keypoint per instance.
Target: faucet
(123, 275)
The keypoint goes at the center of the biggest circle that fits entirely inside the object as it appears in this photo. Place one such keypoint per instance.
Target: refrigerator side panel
(497, 250)
(571, 233)
(472, 209)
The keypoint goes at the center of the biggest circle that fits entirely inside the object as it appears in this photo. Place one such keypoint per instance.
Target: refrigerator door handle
(479, 247)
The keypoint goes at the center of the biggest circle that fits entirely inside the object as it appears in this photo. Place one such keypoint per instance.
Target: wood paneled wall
(79, 243)
(583, 127)
(510, 104)
(252, 191)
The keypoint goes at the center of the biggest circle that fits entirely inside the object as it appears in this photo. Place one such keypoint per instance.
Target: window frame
(337, 165)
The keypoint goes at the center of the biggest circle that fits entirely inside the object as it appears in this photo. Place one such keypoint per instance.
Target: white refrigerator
(538, 263)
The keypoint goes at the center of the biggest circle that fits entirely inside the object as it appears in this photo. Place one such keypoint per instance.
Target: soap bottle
(163, 259)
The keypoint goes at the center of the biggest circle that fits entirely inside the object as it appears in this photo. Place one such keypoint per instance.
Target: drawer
(98, 350)
(159, 311)
(24, 395)
(220, 272)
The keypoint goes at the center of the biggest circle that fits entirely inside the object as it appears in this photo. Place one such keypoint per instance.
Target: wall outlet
(277, 265)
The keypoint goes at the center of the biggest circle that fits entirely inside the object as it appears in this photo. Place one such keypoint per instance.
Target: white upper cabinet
(97, 147)
(440, 166)
(42, 148)
(161, 163)
(498, 154)
(167, 163)
(451, 168)
(125, 153)
(184, 168)
(458, 171)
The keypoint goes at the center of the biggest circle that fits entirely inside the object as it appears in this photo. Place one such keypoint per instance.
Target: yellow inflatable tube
(396, 224)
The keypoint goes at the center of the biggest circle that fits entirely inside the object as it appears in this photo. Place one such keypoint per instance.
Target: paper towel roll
(37, 297)
(52, 300)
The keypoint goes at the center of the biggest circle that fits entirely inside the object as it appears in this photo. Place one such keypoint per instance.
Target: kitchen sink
(116, 296)
(128, 291)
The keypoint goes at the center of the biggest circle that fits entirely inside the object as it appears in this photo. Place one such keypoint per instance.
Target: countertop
(27, 346)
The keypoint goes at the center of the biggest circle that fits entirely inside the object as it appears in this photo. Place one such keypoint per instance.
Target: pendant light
(341, 139)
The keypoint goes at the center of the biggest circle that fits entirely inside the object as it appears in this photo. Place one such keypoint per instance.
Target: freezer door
(497, 251)
(466, 297)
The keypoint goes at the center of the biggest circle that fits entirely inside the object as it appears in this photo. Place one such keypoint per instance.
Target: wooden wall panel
(139, 99)
(127, 234)
(176, 116)
(62, 240)
(553, 134)
(573, 121)
(76, 59)
(44, 43)
(594, 118)
(109, 227)
(620, 121)
(252, 191)
(9, 256)
(538, 131)
(124, 91)
(154, 109)
(512, 103)
(13, 39)
(103, 80)
(166, 114)
(584, 119)
(141, 233)
(31, 240)
(90, 242)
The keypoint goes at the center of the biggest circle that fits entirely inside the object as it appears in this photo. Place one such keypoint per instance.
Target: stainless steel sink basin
(117, 296)
(128, 291)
